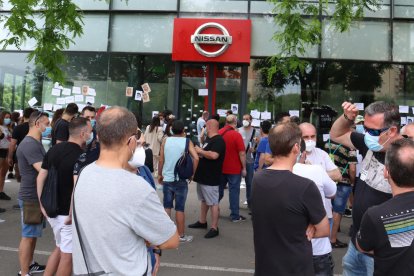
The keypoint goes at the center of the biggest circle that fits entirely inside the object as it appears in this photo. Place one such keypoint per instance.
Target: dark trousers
(323, 265)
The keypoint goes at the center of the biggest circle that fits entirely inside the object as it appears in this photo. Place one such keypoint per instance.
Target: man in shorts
(207, 175)
(30, 154)
(63, 157)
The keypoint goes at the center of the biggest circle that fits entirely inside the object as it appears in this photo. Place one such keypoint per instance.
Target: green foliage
(300, 24)
(61, 21)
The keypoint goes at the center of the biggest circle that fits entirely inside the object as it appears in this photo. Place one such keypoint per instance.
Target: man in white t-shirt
(201, 123)
(316, 156)
(321, 247)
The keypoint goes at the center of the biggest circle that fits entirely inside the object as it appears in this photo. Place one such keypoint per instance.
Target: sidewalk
(231, 253)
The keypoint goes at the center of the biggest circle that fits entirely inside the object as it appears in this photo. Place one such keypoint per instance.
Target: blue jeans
(234, 192)
(354, 263)
(31, 230)
(323, 265)
(176, 190)
(341, 198)
(249, 180)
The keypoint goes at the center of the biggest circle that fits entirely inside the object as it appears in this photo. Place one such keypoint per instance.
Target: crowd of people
(96, 188)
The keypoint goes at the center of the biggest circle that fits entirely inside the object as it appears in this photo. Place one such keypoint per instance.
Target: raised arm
(341, 129)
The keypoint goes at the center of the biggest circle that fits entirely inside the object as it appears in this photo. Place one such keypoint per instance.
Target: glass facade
(128, 43)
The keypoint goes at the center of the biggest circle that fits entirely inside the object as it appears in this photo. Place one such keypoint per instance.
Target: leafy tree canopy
(300, 24)
(61, 21)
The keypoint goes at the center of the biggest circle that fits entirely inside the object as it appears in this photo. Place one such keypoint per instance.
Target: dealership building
(212, 55)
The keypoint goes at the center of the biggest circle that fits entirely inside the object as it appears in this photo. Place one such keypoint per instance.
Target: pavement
(231, 253)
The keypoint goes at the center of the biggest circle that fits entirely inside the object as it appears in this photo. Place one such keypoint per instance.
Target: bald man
(207, 176)
(408, 131)
(317, 156)
(234, 166)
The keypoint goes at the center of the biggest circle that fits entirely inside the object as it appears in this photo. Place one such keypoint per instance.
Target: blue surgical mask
(6, 121)
(47, 132)
(90, 139)
(360, 129)
(93, 123)
(372, 142)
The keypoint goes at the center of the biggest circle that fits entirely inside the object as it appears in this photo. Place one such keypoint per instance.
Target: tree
(300, 25)
(61, 23)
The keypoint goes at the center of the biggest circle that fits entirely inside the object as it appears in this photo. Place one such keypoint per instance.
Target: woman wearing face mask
(153, 136)
(5, 138)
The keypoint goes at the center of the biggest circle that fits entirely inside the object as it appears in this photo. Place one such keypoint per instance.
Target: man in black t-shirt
(382, 125)
(387, 230)
(19, 132)
(287, 210)
(63, 157)
(207, 176)
(60, 132)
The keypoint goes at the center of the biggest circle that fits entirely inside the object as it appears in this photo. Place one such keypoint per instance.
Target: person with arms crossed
(321, 248)
(287, 210)
(382, 124)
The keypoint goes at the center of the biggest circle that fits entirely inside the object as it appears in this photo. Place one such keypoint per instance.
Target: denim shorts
(341, 198)
(176, 190)
(31, 230)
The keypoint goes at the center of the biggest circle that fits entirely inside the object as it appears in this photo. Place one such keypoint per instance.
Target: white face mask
(138, 158)
(310, 145)
(246, 123)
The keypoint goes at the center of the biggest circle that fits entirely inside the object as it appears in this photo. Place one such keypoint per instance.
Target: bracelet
(346, 117)
(157, 251)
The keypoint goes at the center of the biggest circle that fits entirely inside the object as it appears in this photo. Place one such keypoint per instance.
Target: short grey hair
(391, 113)
(231, 119)
(115, 125)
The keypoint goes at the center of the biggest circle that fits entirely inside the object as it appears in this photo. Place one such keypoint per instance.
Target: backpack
(184, 166)
(49, 197)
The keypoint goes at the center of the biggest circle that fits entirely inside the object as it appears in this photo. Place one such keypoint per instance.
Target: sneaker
(338, 244)
(10, 176)
(348, 213)
(241, 218)
(198, 224)
(212, 233)
(2, 210)
(16, 207)
(245, 202)
(35, 268)
(186, 238)
(3, 196)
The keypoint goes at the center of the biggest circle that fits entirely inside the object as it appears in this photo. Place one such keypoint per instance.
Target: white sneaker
(186, 238)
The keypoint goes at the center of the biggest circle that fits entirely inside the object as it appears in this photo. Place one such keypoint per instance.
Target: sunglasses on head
(375, 132)
(40, 115)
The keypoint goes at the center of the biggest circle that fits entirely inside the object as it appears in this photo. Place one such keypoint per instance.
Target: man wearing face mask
(63, 157)
(30, 154)
(381, 123)
(115, 211)
(250, 137)
(19, 132)
(315, 155)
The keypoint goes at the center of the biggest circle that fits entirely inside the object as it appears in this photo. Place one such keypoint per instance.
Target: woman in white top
(5, 138)
(153, 136)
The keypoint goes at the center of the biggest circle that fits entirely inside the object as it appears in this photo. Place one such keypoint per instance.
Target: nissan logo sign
(224, 39)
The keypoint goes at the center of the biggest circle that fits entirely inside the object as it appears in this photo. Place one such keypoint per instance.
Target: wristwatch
(157, 251)
(346, 117)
